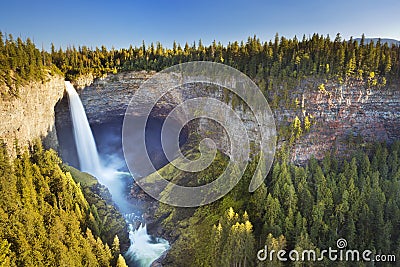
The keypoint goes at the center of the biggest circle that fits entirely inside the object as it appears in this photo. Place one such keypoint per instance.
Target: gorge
(69, 198)
(346, 110)
(350, 110)
(144, 249)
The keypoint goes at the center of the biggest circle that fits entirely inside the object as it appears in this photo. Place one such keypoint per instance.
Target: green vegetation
(265, 62)
(105, 220)
(20, 62)
(298, 208)
(46, 219)
(276, 64)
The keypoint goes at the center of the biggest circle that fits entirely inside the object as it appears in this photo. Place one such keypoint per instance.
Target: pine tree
(115, 250)
(121, 261)
(4, 253)
(39, 221)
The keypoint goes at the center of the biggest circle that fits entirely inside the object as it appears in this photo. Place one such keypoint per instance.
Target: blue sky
(120, 23)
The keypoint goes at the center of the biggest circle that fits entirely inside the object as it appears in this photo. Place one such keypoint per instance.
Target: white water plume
(143, 249)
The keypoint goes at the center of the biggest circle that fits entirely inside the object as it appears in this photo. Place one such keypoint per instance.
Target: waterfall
(143, 249)
(87, 152)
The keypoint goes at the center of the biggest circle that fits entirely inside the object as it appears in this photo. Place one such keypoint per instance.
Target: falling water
(143, 249)
(87, 152)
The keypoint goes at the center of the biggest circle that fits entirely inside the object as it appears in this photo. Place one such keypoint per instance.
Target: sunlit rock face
(30, 115)
(347, 113)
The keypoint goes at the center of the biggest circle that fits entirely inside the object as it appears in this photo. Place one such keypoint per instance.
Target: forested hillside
(302, 208)
(45, 219)
(20, 62)
(270, 64)
(268, 61)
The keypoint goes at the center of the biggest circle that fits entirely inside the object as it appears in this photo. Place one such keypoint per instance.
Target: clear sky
(120, 23)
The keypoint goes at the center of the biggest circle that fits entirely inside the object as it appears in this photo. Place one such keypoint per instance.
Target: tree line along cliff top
(267, 63)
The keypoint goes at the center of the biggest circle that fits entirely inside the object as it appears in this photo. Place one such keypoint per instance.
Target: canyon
(339, 114)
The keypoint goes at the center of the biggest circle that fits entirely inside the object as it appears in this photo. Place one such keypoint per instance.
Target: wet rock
(158, 262)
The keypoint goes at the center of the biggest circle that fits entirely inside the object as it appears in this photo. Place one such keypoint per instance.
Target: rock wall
(31, 114)
(347, 112)
(106, 98)
(83, 80)
(342, 111)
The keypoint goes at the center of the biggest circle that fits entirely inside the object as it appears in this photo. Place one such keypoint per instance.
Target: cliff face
(31, 114)
(338, 113)
(106, 98)
(347, 112)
